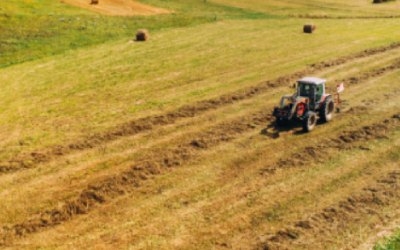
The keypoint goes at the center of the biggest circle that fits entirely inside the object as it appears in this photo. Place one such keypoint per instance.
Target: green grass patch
(35, 29)
(392, 243)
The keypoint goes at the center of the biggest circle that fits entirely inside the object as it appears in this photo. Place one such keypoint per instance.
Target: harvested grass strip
(28, 160)
(370, 200)
(156, 163)
(162, 161)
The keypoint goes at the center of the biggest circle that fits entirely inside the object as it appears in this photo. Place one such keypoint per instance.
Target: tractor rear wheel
(327, 110)
(309, 121)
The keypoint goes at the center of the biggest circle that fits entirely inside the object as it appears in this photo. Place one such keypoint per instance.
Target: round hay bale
(94, 2)
(309, 28)
(142, 35)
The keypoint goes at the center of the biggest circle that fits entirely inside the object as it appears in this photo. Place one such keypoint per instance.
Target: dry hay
(142, 35)
(309, 28)
(94, 2)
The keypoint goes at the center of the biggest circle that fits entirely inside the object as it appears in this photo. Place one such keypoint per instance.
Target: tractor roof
(312, 80)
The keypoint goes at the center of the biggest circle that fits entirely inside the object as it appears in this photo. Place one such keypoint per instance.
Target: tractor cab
(312, 88)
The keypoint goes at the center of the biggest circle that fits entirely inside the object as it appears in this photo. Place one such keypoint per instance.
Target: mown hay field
(59, 100)
(171, 143)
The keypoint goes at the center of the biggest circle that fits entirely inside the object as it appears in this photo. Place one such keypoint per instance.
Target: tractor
(308, 105)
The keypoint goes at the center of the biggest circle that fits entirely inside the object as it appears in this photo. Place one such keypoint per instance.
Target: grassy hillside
(321, 8)
(106, 143)
(49, 27)
(52, 27)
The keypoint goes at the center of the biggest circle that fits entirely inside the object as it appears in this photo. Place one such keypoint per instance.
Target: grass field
(319, 8)
(390, 243)
(170, 144)
(49, 27)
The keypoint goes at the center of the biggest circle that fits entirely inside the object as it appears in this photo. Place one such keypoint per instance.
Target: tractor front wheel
(309, 121)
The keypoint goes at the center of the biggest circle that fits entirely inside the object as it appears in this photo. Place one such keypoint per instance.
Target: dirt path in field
(117, 7)
(32, 159)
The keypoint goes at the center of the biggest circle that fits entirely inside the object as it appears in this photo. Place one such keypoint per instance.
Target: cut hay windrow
(370, 74)
(155, 163)
(164, 160)
(369, 201)
(28, 160)
(343, 141)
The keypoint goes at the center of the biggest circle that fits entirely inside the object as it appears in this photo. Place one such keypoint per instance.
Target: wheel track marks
(31, 159)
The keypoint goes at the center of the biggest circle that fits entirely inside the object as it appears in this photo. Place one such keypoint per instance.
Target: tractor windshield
(309, 90)
(304, 89)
